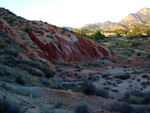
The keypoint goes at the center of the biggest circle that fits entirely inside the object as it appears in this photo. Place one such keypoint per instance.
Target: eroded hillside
(45, 69)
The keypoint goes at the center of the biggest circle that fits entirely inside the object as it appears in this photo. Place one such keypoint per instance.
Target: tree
(124, 31)
(136, 30)
(97, 35)
(147, 31)
(80, 33)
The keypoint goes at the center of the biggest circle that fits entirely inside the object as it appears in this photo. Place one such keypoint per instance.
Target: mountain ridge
(97, 25)
(49, 42)
(140, 17)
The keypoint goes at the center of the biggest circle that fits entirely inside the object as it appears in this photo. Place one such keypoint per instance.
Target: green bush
(120, 107)
(82, 108)
(88, 88)
(105, 40)
(135, 44)
(135, 100)
(59, 104)
(90, 64)
(138, 54)
(102, 93)
(48, 73)
(9, 107)
(12, 52)
(34, 72)
(72, 87)
(137, 97)
(123, 76)
(20, 80)
(9, 19)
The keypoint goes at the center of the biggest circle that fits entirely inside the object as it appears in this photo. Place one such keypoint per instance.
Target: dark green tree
(147, 31)
(97, 35)
(136, 30)
(124, 31)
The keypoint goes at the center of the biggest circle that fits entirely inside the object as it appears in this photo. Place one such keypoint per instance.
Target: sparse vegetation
(20, 80)
(90, 64)
(123, 76)
(88, 88)
(26, 75)
(59, 104)
(102, 93)
(82, 108)
(120, 107)
(9, 107)
(9, 19)
(48, 73)
(137, 97)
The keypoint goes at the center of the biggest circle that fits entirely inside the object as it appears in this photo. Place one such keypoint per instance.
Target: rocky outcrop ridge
(53, 43)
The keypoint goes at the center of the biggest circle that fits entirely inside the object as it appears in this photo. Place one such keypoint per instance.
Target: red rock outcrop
(53, 43)
(61, 45)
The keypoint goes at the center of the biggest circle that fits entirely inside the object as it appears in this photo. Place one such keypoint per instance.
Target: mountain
(140, 17)
(68, 28)
(47, 42)
(97, 25)
(144, 14)
(47, 69)
(90, 26)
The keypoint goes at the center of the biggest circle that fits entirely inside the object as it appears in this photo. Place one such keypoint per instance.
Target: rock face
(52, 43)
(140, 17)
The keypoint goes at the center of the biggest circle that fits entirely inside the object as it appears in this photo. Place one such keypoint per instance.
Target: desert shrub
(141, 110)
(88, 88)
(135, 100)
(137, 97)
(3, 71)
(111, 46)
(72, 87)
(59, 104)
(9, 107)
(105, 40)
(26, 29)
(9, 19)
(148, 56)
(33, 72)
(123, 76)
(20, 80)
(11, 52)
(102, 93)
(45, 82)
(90, 64)
(135, 44)
(93, 78)
(147, 98)
(120, 107)
(48, 73)
(82, 108)
(49, 35)
(138, 54)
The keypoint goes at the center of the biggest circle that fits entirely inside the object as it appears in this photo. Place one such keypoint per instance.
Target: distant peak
(146, 8)
(108, 21)
(144, 11)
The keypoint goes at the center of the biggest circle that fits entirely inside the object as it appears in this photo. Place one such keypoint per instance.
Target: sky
(74, 13)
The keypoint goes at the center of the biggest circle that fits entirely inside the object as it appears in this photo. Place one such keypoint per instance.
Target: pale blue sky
(74, 13)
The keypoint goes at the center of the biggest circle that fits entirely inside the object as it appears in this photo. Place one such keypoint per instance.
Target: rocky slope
(140, 17)
(97, 25)
(50, 42)
(30, 50)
